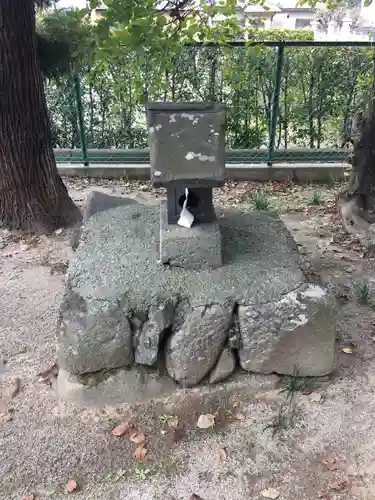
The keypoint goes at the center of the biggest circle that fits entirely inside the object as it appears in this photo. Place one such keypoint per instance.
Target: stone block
(187, 143)
(160, 318)
(296, 332)
(194, 349)
(197, 247)
(224, 367)
(94, 335)
(121, 386)
(97, 202)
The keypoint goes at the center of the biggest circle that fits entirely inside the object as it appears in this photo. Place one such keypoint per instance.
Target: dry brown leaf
(306, 391)
(206, 421)
(340, 486)
(59, 267)
(270, 493)
(330, 462)
(49, 373)
(120, 429)
(71, 486)
(176, 434)
(221, 453)
(28, 497)
(315, 397)
(16, 387)
(140, 452)
(137, 437)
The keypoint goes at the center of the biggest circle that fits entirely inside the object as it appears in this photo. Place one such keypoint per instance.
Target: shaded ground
(327, 449)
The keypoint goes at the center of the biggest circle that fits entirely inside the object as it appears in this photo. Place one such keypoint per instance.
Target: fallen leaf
(16, 387)
(28, 497)
(71, 486)
(120, 429)
(173, 422)
(315, 397)
(306, 391)
(176, 434)
(140, 452)
(59, 267)
(330, 462)
(270, 493)
(49, 373)
(221, 453)
(340, 486)
(240, 417)
(137, 437)
(206, 421)
(349, 348)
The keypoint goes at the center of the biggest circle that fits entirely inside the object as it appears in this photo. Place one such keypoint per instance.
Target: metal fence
(286, 101)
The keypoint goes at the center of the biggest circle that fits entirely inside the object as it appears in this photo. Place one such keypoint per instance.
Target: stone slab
(295, 333)
(197, 247)
(117, 267)
(119, 258)
(98, 202)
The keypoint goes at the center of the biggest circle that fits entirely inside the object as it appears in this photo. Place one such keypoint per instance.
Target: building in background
(354, 24)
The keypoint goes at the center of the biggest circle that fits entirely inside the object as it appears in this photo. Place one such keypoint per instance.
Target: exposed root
(358, 222)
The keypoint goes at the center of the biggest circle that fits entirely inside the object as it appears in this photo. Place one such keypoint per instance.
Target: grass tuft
(363, 292)
(260, 201)
(315, 198)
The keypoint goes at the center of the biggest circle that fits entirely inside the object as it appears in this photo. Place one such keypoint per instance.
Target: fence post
(81, 121)
(275, 103)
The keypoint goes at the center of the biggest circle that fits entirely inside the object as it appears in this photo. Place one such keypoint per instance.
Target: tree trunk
(32, 195)
(357, 201)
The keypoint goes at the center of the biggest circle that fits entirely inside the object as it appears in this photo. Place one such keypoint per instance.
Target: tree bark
(357, 200)
(33, 197)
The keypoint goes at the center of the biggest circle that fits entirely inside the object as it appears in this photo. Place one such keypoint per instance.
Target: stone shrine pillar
(187, 155)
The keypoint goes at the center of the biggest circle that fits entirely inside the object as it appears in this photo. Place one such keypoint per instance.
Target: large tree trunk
(357, 201)
(32, 194)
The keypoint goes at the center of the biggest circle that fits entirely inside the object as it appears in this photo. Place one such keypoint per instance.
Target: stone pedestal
(197, 247)
(123, 308)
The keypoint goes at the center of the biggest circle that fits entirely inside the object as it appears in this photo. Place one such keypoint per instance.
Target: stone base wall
(123, 308)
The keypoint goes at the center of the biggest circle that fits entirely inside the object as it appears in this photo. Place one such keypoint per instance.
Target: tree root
(358, 222)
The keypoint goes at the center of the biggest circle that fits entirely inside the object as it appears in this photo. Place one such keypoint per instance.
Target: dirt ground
(319, 446)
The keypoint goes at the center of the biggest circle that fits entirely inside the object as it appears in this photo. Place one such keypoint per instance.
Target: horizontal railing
(142, 156)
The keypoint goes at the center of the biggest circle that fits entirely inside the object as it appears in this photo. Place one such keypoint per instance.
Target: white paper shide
(186, 218)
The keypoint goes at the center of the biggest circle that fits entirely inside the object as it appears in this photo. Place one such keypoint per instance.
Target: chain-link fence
(286, 102)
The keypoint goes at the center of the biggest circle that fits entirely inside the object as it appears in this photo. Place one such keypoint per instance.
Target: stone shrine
(185, 294)
(188, 169)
